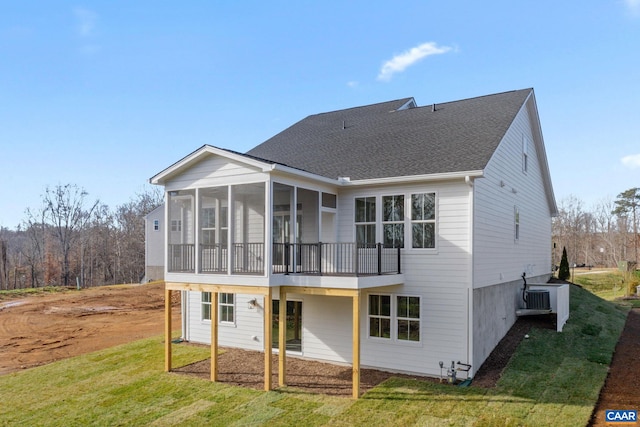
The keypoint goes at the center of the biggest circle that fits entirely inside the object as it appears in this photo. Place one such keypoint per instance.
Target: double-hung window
(393, 221)
(365, 220)
(206, 306)
(394, 317)
(226, 307)
(380, 316)
(423, 220)
(408, 318)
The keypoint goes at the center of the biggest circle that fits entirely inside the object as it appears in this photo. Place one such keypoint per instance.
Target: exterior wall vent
(538, 300)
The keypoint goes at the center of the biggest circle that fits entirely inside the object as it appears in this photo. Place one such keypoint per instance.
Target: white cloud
(632, 161)
(400, 62)
(633, 6)
(86, 21)
(352, 84)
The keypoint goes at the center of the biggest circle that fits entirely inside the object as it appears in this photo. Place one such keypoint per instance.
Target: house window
(516, 222)
(206, 305)
(525, 153)
(423, 220)
(226, 307)
(329, 200)
(176, 225)
(393, 221)
(408, 318)
(210, 229)
(365, 219)
(401, 311)
(156, 225)
(380, 316)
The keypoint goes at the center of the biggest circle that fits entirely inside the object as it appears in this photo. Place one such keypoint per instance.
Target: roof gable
(396, 139)
(203, 152)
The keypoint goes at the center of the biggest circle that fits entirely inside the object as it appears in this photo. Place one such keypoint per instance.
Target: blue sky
(105, 94)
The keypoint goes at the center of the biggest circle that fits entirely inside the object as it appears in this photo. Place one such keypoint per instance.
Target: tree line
(605, 235)
(70, 240)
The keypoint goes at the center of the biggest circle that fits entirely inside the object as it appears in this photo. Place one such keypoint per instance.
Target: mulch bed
(246, 368)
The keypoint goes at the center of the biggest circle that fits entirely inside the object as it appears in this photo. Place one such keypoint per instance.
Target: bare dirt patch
(44, 328)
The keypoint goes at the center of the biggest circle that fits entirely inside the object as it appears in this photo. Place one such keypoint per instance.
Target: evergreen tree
(564, 273)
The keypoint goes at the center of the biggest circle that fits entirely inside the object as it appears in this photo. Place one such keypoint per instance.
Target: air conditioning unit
(538, 300)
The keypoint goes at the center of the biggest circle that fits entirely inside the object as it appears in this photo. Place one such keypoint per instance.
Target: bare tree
(4, 274)
(129, 219)
(608, 236)
(569, 229)
(627, 206)
(65, 209)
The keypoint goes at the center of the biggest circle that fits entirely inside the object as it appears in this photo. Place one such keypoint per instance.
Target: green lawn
(611, 285)
(553, 380)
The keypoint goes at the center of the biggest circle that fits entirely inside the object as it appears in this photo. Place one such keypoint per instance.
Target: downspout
(470, 331)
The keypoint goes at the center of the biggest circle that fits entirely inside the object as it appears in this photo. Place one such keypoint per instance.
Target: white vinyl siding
(504, 191)
(246, 332)
(440, 277)
(512, 232)
(213, 171)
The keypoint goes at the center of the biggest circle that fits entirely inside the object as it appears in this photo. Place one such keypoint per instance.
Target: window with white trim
(156, 225)
(365, 220)
(206, 305)
(226, 307)
(525, 153)
(394, 317)
(423, 220)
(393, 221)
(380, 316)
(176, 225)
(408, 318)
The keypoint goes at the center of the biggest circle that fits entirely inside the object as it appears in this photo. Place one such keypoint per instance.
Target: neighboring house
(154, 245)
(397, 235)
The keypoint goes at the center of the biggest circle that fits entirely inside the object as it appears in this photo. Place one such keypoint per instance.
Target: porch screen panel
(249, 228)
(214, 229)
(181, 231)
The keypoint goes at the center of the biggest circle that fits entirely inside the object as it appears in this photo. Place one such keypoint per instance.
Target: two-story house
(389, 236)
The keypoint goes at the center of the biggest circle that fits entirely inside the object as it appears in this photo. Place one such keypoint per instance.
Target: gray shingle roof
(380, 141)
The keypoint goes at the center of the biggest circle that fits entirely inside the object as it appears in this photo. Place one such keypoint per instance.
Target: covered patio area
(267, 293)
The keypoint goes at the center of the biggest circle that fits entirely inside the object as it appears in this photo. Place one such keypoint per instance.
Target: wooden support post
(267, 338)
(282, 337)
(167, 330)
(356, 345)
(214, 336)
